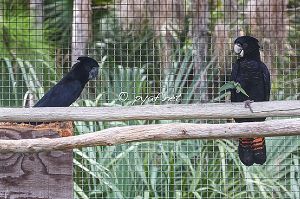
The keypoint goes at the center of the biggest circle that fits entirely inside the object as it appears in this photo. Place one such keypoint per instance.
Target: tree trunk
(166, 14)
(81, 28)
(225, 32)
(268, 20)
(200, 40)
(36, 10)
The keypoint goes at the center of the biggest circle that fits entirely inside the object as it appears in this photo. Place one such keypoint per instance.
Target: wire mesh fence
(156, 52)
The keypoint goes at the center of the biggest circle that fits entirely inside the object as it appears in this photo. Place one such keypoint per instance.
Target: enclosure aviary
(254, 77)
(42, 175)
(68, 89)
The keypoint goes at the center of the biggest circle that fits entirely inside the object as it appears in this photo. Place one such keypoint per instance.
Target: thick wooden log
(180, 131)
(42, 175)
(152, 112)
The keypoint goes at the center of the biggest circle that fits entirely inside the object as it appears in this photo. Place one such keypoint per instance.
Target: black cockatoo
(254, 77)
(68, 89)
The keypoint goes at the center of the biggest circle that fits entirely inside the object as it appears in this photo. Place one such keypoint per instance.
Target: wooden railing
(171, 131)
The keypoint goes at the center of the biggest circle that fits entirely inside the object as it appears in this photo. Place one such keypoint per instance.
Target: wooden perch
(152, 112)
(180, 131)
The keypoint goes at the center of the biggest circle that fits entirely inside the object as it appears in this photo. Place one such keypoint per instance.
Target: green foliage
(20, 38)
(233, 85)
(19, 76)
(24, 54)
(287, 87)
(124, 84)
(187, 169)
(124, 48)
(131, 64)
(180, 81)
(101, 2)
(58, 21)
(195, 169)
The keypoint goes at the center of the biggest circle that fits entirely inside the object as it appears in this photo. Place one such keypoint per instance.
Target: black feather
(69, 88)
(254, 77)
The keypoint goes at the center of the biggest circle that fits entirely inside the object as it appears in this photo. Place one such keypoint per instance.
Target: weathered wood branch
(200, 18)
(180, 131)
(152, 112)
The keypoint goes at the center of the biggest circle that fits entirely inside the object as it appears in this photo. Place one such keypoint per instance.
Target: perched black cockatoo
(68, 89)
(254, 77)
